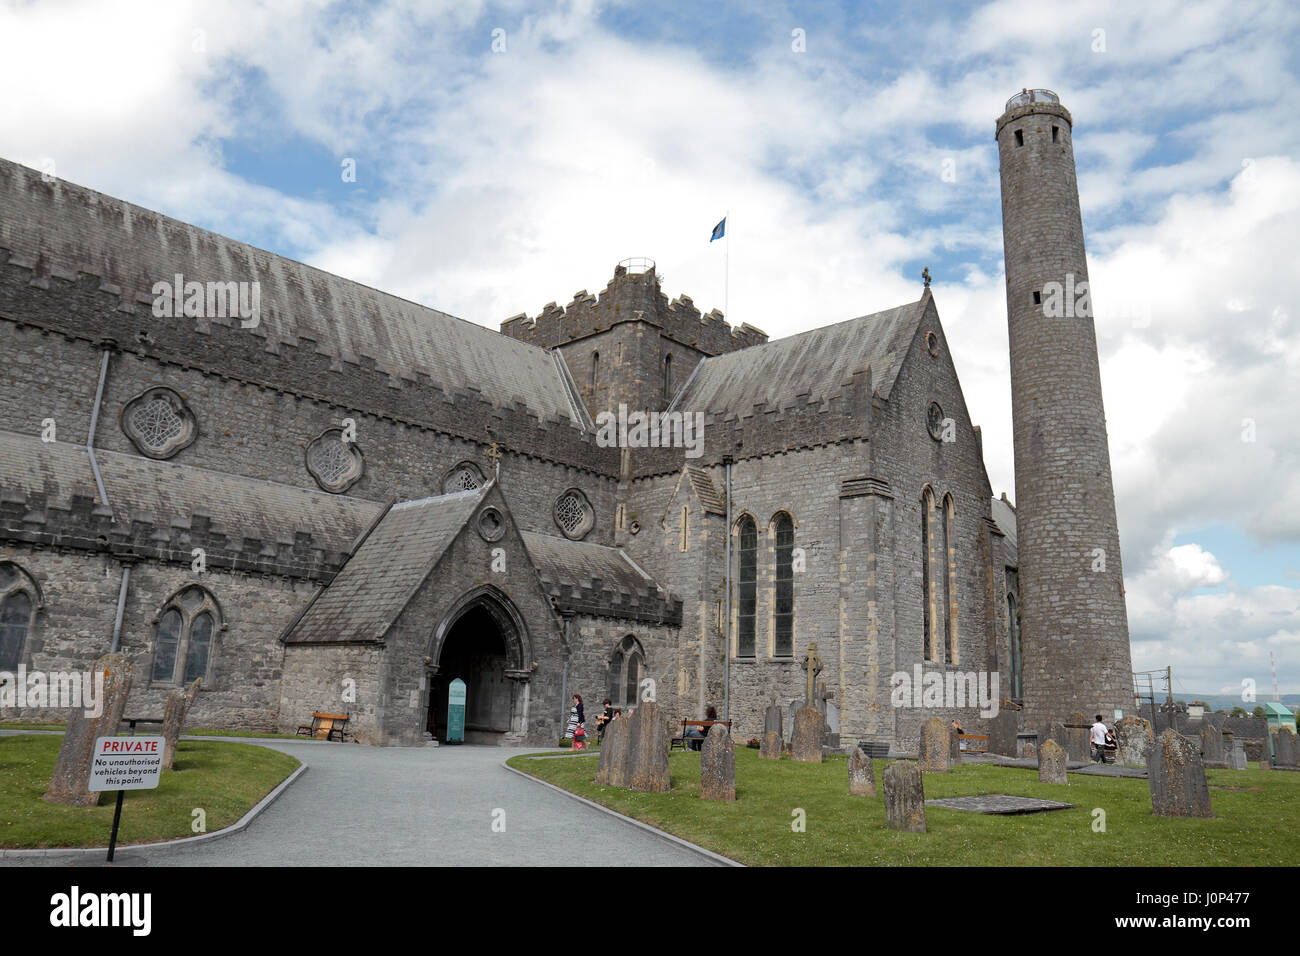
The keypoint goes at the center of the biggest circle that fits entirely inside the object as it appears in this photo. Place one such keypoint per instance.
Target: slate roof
(164, 493)
(711, 498)
(595, 579)
(1004, 515)
(819, 363)
(382, 576)
(70, 229)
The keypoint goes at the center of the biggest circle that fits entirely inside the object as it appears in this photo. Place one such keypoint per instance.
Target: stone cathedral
(319, 497)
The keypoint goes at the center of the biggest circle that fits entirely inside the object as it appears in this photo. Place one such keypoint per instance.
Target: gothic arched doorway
(481, 641)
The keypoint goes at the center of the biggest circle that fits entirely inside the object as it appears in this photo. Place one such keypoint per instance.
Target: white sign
(126, 763)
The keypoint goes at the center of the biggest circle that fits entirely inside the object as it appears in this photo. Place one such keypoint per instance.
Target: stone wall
(75, 627)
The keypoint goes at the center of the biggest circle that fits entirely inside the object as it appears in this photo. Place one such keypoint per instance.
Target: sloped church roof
(818, 363)
(63, 229)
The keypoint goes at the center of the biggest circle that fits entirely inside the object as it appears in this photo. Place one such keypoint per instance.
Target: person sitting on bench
(699, 732)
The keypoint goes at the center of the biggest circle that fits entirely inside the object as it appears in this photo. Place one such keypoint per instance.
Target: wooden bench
(326, 727)
(681, 740)
(975, 743)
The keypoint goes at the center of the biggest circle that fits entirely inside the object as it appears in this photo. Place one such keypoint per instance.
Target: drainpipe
(564, 678)
(108, 345)
(121, 606)
(726, 611)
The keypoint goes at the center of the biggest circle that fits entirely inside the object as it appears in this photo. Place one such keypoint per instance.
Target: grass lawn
(224, 779)
(1250, 827)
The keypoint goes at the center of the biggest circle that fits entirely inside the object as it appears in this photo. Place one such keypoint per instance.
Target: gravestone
(1003, 732)
(904, 796)
(1051, 763)
(72, 768)
(620, 763)
(610, 771)
(1212, 753)
(1133, 741)
(1054, 731)
(1236, 756)
(718, 765)
(1078, 731)
(773, 734)
(1177, 778)
(935, 748)
(1285, 749)
(954, 748)
(178, 707)
(806, 738)
(649, 749)
(862, 774)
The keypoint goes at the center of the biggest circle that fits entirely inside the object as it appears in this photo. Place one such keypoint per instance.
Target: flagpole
(726, 269)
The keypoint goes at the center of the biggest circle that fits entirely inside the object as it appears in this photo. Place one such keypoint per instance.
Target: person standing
(1099, 732)
(575, 717)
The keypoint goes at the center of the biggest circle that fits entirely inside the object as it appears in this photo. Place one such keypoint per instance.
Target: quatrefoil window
(335, 464)
(573, 514)
(158, 422)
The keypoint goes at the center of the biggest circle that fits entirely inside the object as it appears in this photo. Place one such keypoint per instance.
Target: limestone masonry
(348, 500)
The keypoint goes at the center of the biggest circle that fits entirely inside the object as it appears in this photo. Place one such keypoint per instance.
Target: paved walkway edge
(716, 858)
(238, 826)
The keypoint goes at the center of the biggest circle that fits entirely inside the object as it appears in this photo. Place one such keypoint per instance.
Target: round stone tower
(1074, 626)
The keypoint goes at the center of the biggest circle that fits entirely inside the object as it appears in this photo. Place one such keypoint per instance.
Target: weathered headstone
(178, 707)
(1285, 749)
(773, 734)
(610, 771)
(1212, 753)
(650, 749)
(1003, 731)
(718, 765)
(1051, 763)
(1236, 756)
(954, 748)
(1078, 732)
(72, 768)
(904, 796)
(935, 748)
(862, 774)
(1133, 741)
(806, 738)
(1177, 778)
(1054, 731)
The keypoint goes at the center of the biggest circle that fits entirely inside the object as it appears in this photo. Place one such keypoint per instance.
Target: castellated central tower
(1074, 626)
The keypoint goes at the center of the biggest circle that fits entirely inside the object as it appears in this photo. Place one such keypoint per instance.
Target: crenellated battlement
(632, 297)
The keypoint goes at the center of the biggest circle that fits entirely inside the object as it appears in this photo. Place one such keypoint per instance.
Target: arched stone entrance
(483, 641)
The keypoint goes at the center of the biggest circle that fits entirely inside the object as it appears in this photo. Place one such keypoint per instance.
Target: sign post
(456, 712)
(122, 764)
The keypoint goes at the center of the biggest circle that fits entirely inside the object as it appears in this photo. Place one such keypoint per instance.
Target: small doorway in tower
(474, 651)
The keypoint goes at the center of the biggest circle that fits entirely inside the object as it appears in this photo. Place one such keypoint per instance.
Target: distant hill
(1229, 701)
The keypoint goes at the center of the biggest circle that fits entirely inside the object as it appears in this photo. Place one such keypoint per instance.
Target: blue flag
(719, 230)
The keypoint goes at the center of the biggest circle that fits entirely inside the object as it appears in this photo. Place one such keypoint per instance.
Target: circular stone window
(158, 422)
(491, 526)
(934, 421)
(932, 344)
(335, 464)
(465, 476)
(573, 514)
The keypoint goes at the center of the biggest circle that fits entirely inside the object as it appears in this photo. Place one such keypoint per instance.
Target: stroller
(1105, 753)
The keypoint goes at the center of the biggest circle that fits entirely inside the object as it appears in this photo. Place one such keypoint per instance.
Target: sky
(507, 155)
